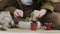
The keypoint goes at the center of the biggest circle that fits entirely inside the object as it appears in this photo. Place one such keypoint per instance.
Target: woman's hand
(39, 13)
(18, 13)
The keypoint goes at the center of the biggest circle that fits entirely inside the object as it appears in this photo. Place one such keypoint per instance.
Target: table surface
(27, 30)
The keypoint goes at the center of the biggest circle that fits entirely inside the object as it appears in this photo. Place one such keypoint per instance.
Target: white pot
(27, 25)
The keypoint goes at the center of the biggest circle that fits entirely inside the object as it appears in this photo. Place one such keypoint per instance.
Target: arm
(44, 8)
(10, 6)
(11, 9)
(43, 11)
(48, 5)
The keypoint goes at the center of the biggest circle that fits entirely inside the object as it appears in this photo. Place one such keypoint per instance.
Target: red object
(33, 26)
(48, 26)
